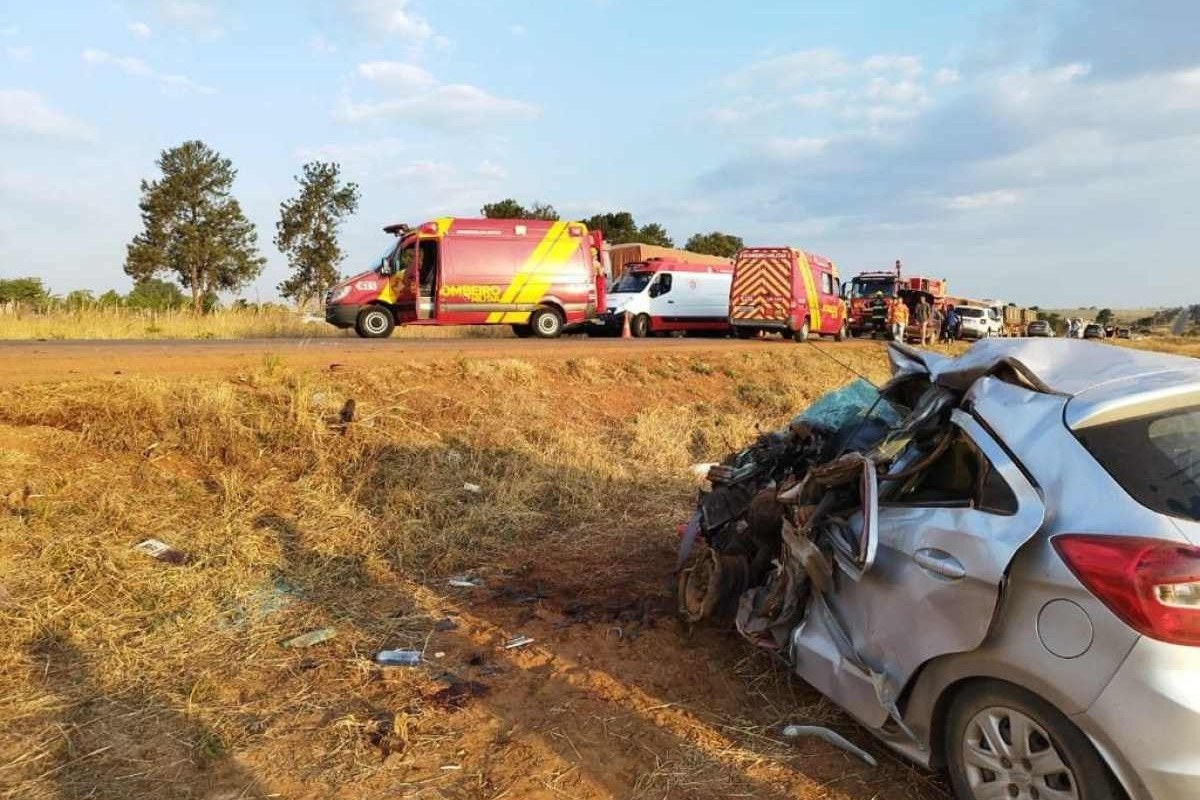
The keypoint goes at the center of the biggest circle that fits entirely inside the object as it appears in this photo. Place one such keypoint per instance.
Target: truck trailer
(540, 277)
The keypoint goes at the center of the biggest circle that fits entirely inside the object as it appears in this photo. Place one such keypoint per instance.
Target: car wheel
(1002, 741)
(639, 326)
(801, 333)
(375, 322)
(522, 331)
(546, 323)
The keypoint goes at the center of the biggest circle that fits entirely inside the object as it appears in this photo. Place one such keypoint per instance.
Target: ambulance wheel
(546, 323)
(842, 334)
(744, 333)
(639, 326)
(375, 322)
(522, 331)
(801, 334)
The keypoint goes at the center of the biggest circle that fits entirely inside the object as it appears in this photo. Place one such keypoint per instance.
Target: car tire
(1055, 755)
(639, 326)
(522, 331)
(801, 333)
(375, 322)
(546, 323)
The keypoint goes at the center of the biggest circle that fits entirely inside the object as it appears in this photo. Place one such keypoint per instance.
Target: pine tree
(307, 230)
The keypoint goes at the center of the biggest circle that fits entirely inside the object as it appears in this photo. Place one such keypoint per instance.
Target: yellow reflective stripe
(535, 258)
(810, 289)
(542, 276)
(443, 225)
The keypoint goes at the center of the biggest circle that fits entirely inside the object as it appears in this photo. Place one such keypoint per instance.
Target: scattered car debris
(520, 640)
(445, 624)
(162, 551)
(260, 604)
(398, 658)
(310, 638)
(473, 488)
(464, 582)
(833, 737)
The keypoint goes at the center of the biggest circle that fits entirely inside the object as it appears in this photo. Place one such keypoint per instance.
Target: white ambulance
(666, 296)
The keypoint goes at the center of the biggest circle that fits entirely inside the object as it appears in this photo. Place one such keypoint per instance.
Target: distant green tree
(1104, 316)
(621, 228)
(509, 208)
(79, 299)
(110, 299)
(154, 294)
(307, 230)
(715, 243)
(193, 227)
(27, 291)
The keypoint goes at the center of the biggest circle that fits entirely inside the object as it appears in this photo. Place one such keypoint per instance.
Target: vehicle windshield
(967, 311)
(397, 259)
(867, 287)
(632, 282)
(1156, 458)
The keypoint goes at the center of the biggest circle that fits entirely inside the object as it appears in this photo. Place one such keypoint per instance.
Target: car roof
(1058, 366)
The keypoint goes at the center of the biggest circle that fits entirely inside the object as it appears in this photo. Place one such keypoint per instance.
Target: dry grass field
(122, 676)
(270, 323)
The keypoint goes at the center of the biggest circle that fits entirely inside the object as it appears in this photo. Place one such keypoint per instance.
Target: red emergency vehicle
(788, 291)
(539, 276)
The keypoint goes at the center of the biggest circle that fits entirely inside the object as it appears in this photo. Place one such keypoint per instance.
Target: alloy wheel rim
(1006, 754)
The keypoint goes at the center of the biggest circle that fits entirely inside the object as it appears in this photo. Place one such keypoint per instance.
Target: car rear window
(1155, 458)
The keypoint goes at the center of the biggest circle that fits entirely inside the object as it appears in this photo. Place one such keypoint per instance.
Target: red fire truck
(883, 302)
(538, 276)
(785, 290)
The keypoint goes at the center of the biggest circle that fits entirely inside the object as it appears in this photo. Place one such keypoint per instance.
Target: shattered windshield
(632, 282)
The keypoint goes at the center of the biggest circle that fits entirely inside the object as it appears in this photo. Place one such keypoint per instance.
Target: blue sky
(1038, 151)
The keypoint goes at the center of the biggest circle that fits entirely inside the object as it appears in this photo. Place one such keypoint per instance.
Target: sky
(1037, 151)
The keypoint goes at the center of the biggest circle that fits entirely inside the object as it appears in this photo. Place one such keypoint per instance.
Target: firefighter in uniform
(879, 313)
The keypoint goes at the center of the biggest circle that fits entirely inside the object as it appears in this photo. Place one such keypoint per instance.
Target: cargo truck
(540, 277)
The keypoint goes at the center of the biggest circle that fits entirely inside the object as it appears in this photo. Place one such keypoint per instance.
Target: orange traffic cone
(625, 332)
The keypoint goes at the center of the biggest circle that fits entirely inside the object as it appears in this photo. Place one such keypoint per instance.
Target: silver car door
(932, 590)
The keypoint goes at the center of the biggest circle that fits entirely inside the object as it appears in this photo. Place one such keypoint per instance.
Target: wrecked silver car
(991, 563)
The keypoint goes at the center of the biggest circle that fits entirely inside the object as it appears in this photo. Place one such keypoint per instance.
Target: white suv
(979, 323)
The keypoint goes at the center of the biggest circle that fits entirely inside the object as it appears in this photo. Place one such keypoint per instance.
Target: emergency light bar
(398, 229)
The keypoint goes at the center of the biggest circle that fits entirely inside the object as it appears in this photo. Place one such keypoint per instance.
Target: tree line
(195, 232)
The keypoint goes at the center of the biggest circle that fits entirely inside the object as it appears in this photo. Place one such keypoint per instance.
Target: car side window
(959, 476)
(663, 285)
(826, 283)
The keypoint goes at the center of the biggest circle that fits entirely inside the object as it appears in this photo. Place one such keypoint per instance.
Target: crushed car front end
(901, 549)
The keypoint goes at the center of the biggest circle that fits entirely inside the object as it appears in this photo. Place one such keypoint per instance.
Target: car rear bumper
(342, 315)
(1147, 721)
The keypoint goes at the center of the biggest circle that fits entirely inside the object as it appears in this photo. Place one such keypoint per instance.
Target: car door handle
(940, 563)
(672, 302)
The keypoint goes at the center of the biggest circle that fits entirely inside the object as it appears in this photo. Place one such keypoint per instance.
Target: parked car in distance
(1093, 331)
(979, 323)
(1040, 328)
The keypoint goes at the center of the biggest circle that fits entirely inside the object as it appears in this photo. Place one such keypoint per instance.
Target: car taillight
(1152, 584)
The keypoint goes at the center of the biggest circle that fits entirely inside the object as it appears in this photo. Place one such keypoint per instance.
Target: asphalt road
(36, 361)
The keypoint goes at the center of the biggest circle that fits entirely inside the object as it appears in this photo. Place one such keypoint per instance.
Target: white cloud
(139, 68)
(946, 76)
(416, 96)
(321, 46)
(358, 154)
(396, 75)
(140, 30)
(979, 200)
(27, 114)
(789, 148)
(15, 53)
(198, 16)
(517, 30)
(392, 17)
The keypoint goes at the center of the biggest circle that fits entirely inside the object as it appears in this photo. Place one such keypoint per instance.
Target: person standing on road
(950, 325)
(923, 313)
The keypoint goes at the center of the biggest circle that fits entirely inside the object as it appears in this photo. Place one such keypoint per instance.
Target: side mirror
(385, 267)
